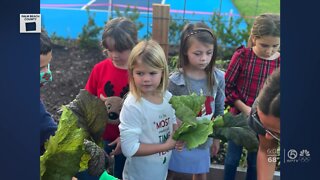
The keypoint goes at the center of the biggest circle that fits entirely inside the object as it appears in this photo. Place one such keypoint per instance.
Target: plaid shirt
(245, 76)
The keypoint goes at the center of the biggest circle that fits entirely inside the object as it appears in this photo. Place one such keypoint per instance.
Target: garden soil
(71, 67)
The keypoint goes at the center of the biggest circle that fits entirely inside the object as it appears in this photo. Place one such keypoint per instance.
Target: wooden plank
(160, 25)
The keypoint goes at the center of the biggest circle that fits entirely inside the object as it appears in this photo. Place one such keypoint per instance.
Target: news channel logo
(295, 156)
(30, 23)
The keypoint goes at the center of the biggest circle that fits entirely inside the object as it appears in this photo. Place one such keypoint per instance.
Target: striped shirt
(245, 76)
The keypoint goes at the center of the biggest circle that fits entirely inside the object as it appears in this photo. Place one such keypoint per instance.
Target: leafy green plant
(65, 155)
(226, 29)
(61, 41)
(228, 34)
(236, 128)
(131, 13)
(88, 38)
(175, 27)
(195, 132)
(172, 63)
(222, 64)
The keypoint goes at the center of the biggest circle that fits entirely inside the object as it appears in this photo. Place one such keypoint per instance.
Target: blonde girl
(147, 119)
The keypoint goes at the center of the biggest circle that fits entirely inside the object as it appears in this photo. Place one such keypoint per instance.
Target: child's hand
(170, 143)
(117, 150)
(247, 110)
(180, 145)
(215, 147)
(179, 122)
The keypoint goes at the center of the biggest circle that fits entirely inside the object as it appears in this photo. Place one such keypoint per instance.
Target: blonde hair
(151, 54)
(267, 24)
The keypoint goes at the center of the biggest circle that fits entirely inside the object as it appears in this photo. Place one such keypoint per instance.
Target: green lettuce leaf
(187, 105)
(63, 153)
(192, 131)
(83, 118)
(195, 133)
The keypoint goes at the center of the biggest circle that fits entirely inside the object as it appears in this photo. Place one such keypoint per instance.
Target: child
(265, 121)
(110, 78)
(147, 118)
(248, 69)
(198, 51)
(47, 125)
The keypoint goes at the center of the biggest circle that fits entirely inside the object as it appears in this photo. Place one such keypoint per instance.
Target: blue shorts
(194, 161)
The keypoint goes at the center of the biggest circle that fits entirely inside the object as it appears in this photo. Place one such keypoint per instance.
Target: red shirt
(245, 76)
(108, 80)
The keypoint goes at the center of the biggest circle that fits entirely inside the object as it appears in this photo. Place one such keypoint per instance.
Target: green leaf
(226, 127)
(192, 131)
(197, 134)
(64, 150)
(83, 118)
(187, 105)
(237, 129)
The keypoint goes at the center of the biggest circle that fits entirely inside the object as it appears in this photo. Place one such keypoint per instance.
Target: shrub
(88, 38)
(229, 35)
(175, 28)
(132, 14)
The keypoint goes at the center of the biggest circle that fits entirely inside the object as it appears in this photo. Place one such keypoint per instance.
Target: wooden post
(160, 25)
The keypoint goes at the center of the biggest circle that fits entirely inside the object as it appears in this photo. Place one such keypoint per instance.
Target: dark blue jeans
(232, 159)
(119, 160)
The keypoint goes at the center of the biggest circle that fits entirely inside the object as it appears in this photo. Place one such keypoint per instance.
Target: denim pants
(232, 162)
(119, 160)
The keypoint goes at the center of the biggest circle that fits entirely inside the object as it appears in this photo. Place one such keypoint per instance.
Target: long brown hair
(202, 33)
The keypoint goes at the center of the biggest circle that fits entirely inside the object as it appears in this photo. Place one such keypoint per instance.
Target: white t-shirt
(147, 123)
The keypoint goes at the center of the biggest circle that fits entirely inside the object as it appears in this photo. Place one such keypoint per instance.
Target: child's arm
(232, 77)
(220, 96)
(242, 107)
(215, 147)
(148, 149)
